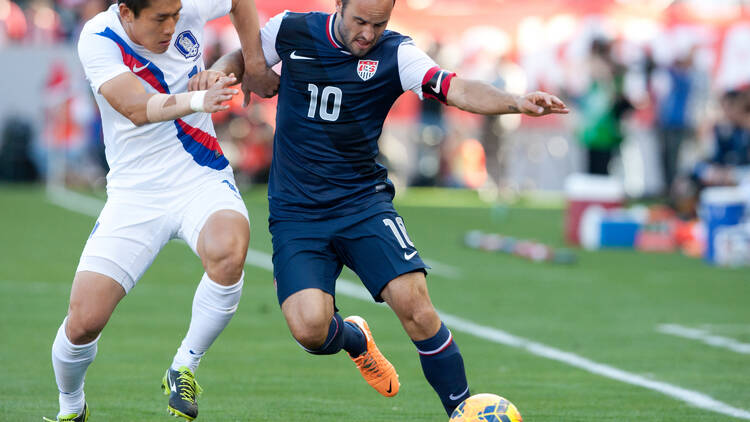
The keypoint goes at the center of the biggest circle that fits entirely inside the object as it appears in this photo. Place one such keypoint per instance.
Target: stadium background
(618, 334)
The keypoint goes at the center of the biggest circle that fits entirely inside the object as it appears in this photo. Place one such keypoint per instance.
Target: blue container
(720, 206)
(619, 233)
(602, 228)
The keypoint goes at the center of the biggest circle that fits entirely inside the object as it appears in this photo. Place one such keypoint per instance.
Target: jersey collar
(331, 34)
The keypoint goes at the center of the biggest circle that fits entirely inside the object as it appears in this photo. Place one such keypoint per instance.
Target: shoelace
(188, 386)
(369, 364)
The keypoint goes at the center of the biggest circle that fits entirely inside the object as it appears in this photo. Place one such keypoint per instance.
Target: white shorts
(135, 225)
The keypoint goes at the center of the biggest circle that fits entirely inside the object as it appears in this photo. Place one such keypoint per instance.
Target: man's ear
(126, 14)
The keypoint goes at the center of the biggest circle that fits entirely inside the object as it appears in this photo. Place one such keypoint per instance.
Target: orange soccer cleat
(375, 368)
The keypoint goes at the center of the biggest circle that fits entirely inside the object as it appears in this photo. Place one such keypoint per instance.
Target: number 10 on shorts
(400, 232)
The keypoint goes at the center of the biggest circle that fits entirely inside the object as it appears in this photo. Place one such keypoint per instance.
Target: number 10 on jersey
(328, 93)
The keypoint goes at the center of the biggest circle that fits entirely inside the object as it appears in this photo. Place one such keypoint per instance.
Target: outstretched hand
(204, 80)
(540, 104)
(219, 93)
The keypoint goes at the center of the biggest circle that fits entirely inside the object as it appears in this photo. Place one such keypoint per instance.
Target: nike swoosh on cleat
(389, 387)
(452, 397)
(172, 385)
(296, 57)
(137, 69)
(409, 256)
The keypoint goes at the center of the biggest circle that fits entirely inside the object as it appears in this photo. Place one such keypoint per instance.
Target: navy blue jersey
(331, 109)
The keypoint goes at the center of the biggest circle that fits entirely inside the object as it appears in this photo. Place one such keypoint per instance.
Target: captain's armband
(436, 83)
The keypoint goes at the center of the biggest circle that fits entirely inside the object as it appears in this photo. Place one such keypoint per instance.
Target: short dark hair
(135, 5)
(345, 2)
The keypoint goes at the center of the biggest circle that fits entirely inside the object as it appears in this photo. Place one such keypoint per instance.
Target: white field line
(705, 337)
(348, 288)
(444, 270)
(74, 201)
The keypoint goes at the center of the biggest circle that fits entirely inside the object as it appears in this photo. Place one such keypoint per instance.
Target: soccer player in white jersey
(168, 179)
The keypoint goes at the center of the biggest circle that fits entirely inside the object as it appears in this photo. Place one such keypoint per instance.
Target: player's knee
(225, 266)
(311, 340)
(83, 328)
(311, 334)
(423, 315)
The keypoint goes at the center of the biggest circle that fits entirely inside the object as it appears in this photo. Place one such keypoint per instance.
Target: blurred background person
(674, 120)
(729, 161)
(602, 107)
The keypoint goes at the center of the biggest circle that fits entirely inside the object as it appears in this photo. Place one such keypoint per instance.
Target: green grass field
(605, 308)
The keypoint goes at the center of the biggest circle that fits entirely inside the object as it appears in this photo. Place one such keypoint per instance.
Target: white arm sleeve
(101, 59)
(268, 38)
(413, 65)
(212, 9)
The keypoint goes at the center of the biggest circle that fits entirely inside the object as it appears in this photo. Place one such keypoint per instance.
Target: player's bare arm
(231, 63)
(483, 98)
(127, 95)
(258, 77)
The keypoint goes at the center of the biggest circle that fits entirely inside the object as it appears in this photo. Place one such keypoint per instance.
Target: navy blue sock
(355, 342)
(443, 367)
(341, 335)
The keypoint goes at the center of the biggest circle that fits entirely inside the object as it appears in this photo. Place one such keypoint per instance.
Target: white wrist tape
(196, 101)
(165, 107)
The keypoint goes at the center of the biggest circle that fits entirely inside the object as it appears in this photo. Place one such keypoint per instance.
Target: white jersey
(160, 155)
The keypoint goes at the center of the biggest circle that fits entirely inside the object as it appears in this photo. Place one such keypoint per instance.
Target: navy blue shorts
(311, 254)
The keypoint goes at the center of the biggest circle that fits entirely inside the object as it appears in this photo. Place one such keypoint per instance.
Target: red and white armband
(435, 84)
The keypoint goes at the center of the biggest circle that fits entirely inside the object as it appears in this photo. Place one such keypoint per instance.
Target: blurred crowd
(679, 89)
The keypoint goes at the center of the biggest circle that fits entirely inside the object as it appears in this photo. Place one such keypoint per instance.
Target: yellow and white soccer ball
(486, 408)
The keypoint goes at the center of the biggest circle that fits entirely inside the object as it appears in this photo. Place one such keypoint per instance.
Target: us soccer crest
(187, 44)
(366, 69)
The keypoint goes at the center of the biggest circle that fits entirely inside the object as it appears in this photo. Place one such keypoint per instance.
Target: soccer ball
(486, 408)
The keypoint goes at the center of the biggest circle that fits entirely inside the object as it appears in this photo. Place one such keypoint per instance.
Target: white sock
(70, 362)
(213, 308)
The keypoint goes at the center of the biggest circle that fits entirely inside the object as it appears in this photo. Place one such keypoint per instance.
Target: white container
(585, 190)
(720, 207)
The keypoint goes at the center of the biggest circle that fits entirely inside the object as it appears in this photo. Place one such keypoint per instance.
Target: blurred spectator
(730, 160)
(250, 136)
(15, 146)
(13, 25)
(674, 121)
(46, 26)
(63, 155)
(602, 107)
(85, 10)
(732, 142)
(491, 133)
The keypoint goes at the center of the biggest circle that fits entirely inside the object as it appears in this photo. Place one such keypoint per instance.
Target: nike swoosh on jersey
(437, 84)
(456, 397)
(409, 256)
(137, 69)
(296, 57)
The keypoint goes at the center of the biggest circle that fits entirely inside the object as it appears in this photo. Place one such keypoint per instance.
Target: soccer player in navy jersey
(331, 202)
